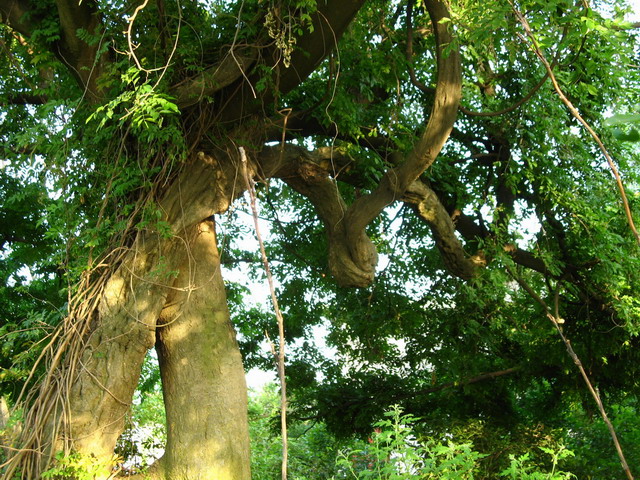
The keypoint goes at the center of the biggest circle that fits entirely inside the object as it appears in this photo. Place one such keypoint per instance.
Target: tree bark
(173, 295)
(202, 374)
(167, 292)
(108, 370)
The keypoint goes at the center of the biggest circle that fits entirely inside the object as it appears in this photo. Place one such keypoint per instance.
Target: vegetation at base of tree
(399, 444)
(434, 212)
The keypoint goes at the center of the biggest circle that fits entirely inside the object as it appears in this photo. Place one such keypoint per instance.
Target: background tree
(128, 120)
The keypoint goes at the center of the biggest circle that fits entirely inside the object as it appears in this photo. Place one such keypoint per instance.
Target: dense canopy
(436, 204)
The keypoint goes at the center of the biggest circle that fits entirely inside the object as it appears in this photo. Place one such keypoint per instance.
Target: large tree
(138, 119)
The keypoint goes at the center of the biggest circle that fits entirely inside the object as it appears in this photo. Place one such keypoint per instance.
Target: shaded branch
(428, 208)
(352, 260)
(83, 60)
(467, 381)
(232, 67)
(80, 58)
(329, 24)
(15, 13)
(24, 99)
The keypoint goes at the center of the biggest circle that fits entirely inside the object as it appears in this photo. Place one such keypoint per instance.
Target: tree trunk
(107, 374)
(201, 367)
(171, 293)
(202, 374)
(167, 292)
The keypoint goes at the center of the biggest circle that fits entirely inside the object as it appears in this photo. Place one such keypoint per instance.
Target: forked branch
(352, 256)
(443, 115)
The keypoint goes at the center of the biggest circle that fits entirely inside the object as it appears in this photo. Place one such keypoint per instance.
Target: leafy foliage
(88, 163)
(395, 453)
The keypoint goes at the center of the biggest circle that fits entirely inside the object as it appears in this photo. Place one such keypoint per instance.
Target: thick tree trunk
(168, 292)
(182, 307)
(108, 371)
(202, 374)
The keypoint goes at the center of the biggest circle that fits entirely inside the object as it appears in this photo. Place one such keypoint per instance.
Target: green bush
(395, 452)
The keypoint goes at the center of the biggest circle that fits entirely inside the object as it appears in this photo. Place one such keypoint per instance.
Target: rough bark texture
(429, 208)
(201, 366)
(202, 374)
(108, 373)
(167, 292)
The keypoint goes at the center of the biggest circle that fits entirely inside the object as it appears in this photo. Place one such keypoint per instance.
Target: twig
(278, 312)
(574, 111)
(555, 318)
(132, 19)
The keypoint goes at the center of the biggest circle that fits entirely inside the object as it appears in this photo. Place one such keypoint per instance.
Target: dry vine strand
(278, 312)
(554, 317)
(574, 111)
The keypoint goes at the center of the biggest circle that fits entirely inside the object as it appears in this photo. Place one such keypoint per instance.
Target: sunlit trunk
(166, 291)
(174, 296)
(107, 373)
(202, 374)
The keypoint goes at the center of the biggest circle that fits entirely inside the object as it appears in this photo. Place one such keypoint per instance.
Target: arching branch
(215, 78)
(308, 174)
(84, 60)
(443, 114)
(329, 24)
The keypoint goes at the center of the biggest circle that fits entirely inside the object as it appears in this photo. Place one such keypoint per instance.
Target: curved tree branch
(308, 173)
(329, 24)
(82, 59)
(443, 115)
(428, 208)
(215, 78)
(396, 181)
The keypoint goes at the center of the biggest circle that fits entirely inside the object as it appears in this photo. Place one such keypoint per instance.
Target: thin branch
(132, 19)
(467, 381)
(536, 48)
(511, 108)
